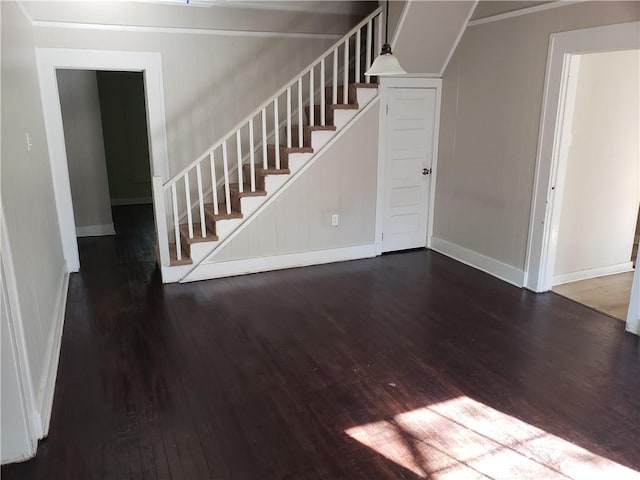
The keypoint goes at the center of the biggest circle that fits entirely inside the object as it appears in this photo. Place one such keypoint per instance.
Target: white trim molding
(592, 273)
(52, 354)
(280, 262)
(489, 265)
(524, 11)
(633, 314)
(404, 82)
(51, 59)
(181, 30)
(95, 230)
(547, 190)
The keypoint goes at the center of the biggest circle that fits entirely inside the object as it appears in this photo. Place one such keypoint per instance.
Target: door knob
(426, 171)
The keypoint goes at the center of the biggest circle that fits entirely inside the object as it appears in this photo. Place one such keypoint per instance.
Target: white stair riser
(199, 251)
(273, 183)
(365, 95)
(225, 227)
(297, 161)
(248, 205)
(342, 117)
(320, 138)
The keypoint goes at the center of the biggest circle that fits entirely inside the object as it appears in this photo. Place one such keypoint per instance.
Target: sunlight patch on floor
(462, 439)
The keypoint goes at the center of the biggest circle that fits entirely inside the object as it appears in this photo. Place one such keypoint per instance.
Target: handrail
(268, 102)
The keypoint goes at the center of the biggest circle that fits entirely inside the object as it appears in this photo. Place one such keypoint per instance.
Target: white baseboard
(279, 262)
(488, 265)
(117, 202)
(52, 356)
(95, 230)
(592, 273)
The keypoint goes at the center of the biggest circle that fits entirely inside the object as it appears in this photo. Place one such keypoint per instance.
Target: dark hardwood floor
(342, 371)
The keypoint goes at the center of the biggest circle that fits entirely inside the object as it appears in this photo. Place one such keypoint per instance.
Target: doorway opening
(598, 183)
(555, 142)
(52, 59)
(107, 146)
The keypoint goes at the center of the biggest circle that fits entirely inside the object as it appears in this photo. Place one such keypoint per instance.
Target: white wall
(211, 81)
(342, 181)
(602, 184)
(85, 151)
(28, 205)
(491, 103)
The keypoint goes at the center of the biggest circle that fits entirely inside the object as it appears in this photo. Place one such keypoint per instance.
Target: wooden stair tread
(364, 85)
(286, 149)
(197, 234)
(173, 258)
(272, 171)
(222, 212)
(261, 171)
(318, 128)
(343, 106)
(246, 190)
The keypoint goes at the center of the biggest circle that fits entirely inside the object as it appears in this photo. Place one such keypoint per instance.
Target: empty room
(318, 240)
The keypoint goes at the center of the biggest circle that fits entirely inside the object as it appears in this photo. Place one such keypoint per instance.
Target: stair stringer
(193, 275)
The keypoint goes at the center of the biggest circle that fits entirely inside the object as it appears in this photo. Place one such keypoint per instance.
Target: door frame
(51, 59)
(404, 82)
(550, 160)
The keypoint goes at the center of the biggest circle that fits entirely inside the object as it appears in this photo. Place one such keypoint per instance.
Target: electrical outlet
(335, 219)
(29, 142)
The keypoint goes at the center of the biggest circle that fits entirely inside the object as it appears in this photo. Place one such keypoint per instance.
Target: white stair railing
(215, 160)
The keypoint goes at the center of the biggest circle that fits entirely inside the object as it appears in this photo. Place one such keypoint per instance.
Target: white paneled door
(409, 158)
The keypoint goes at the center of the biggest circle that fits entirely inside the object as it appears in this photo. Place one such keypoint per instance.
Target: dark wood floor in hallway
(406, 366)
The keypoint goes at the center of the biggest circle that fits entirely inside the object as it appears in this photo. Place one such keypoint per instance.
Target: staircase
(205, 205)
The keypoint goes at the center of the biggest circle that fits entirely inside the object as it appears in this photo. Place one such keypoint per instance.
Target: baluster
(203, 228)
(264, 138)
(345, 74)
(311, 98)
(214, 183)
(187, 194)
(239, 149)
(225, 166)
(300, 107)
(323, 105)
(379, 18)
(367, 78)
(252, 160)
(276, 127)
(289, 117)
(335, 77)
(357, 59)
(176, 221)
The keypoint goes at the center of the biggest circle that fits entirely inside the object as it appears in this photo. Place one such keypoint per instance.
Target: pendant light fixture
(386, 63)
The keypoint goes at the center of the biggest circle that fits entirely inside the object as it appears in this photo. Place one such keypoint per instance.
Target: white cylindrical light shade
(385, 64)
